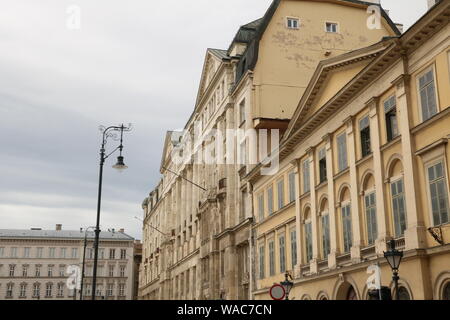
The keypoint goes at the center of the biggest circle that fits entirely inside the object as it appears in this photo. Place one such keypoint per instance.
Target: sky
(67, 67)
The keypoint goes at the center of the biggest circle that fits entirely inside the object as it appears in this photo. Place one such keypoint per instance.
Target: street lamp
(287, 285)
(84, 261)
(120, 165)
(394, 258)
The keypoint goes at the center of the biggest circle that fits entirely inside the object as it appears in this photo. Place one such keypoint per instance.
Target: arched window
(398, 199)
(325, 228)
(308, 235)
(370, 206)
(403, 294)
(351, 294)
(346, 220)
(446, 293)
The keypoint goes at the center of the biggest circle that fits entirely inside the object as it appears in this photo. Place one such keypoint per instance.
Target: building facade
(198, 241)
(365, 160)
(35, 264)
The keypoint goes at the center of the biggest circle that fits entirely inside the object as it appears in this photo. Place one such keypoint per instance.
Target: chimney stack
(122, 230)
(58, 227)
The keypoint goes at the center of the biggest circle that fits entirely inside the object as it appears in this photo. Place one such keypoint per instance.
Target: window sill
(340, 174)
(322, 184)
(366, 158)
(391, 143)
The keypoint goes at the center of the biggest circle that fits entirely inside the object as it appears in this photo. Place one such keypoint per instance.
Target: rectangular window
(331, 27)
(261, 206)
(347, 228)
(51, 252)
(293, 248)
(371, 218)
(427, 92)
(12, 269)
(398, 207)
(306, 175)
(270, 200)
(123, 254)
(26, 252)
(272, 258)
(243, 152)
(25, 271)
(39, 252)
(280, 189)
(50, 271)
(390, 111)
(121, 290)
(293, 23)
(261, 262)
(74, 253)
(242, 209)
(23, 290)
(364, 129)
(38, 271)
(326, 244)
(2, 252)
(13, 252)
(438, 194)
(9, 290)
(242, 112)
(122, 271)
(323, 165)
(292, 187)
(111, 271)
(109, 289)
(282, 243)
(63, 253)
(60, 290)
(48, 290)
(36, 290)
(112, 254)
(308, 241)
(342, 152)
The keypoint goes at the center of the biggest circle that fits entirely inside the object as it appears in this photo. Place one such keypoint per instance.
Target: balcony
(400, 243)
(344, 260)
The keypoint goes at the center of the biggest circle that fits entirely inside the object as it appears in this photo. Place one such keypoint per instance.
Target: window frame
(427, 166)
(365, 153)
(334, 23)
(393, 181)
(297, 19)
(422, 73)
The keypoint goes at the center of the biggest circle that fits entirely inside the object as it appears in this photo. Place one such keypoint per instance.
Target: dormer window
(293, 23)
(331, 27)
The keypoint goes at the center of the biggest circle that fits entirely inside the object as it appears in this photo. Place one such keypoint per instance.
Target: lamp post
(287, 285)
(120, 165)
(84, 260)
(394, 258)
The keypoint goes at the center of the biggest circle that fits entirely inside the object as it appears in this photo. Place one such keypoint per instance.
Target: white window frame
(338, 29)
(436, 93)
(428, 165)
(293, 19)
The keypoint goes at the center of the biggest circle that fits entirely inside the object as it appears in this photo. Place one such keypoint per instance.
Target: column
(415, 234)
(315, 229)
(354, 195)
(298, 221)
(331, 203)
(380, 243)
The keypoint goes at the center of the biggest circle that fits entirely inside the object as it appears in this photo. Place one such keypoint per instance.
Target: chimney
(122, 230)
(58, 227)
(432, 3)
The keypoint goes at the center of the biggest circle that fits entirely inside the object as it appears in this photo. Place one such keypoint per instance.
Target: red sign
(277, 292)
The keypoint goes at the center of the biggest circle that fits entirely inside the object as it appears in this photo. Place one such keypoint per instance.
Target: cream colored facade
(365, 159)
(198, 241)
(34, 264)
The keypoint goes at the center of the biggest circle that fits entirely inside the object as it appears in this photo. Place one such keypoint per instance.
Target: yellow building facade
(364, 160)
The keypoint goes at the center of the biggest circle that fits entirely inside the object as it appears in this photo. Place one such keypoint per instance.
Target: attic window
(331, 27)
(293, 23)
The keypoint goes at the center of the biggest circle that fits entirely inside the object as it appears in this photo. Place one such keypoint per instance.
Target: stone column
(298, 220)
(331, 203)
(315, 229)
(354, 195)
(415, 234)
(380, 242)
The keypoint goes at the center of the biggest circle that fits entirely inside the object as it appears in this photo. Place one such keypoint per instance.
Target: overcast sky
(134, 62)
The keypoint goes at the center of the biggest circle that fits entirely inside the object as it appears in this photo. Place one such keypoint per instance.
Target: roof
(219, 53)
(62, 234)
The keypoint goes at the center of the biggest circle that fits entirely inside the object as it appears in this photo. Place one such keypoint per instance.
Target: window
(293, 23)
(48, 289)
(403, 294)
(326, 244)
(123, 254)
(74, 253)
(39, 252)
(438, 193)
(427, 93)
(2, 252)
(280, 188)
(62, 272)
(26, 252)
(121, 290)
(292, 187)
(331, 27)
(282, 243)
(371, 218)
(270, 200)
(242, 209)
(36, 290)
(347, 228)
(112, 254)
(25, 271)
(242, 112)
(308, 241)
(12, 269)
(446, 295)
(390, 111)
(261, 206)
(271, 258)
(99, 291)
(398, 207)
(13, 252)
(122, 271)
(293, 248)
(261, 262)
(51, 253)
(306, 175)
(322, 165)
(242, 152)
(63, 253)
(9, 290)
(111, 271)
(364, 128)
(342, 152)
(60, 290)
(100, 271)
(50, 271)
(101, 254)
(38, 271)
(109, 289)
(23, 290)
(90, 253)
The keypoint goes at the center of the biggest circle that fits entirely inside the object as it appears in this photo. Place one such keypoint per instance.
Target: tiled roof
(63, 234)
(221, 54)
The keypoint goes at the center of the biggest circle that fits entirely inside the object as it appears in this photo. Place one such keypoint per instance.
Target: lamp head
(120, 165)
(393, 256)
